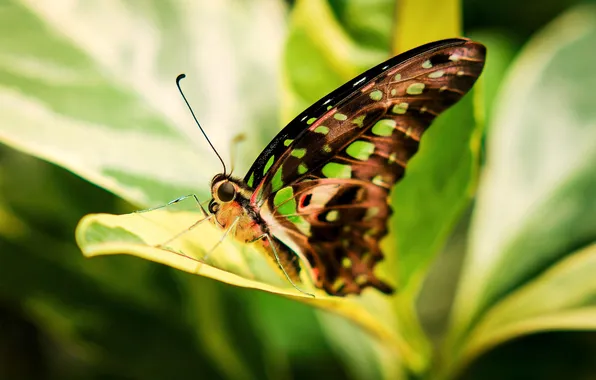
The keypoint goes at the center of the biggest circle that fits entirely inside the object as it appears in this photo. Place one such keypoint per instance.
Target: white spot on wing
(454, 57)
(359, 81)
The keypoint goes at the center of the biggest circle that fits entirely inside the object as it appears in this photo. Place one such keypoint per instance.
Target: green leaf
(90, 86)
(562, 298)
(366, 357)
(419, 22)
(501, 52)
(71, 300)
(140, 234)
(102, 102)
(536, 202)
(149, 235)
(320, 55)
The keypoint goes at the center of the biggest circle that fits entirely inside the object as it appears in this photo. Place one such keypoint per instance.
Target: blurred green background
(118, 317)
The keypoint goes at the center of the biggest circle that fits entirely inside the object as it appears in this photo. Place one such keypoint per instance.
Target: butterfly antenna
(178, 79)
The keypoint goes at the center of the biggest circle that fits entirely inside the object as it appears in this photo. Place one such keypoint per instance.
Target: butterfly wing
(323, 183)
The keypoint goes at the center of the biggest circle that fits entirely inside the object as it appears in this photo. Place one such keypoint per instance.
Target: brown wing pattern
(337, 225)
(329, 189)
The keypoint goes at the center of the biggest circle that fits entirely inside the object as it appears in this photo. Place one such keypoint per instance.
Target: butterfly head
(223, 190)
(231, 201)
(227, 192)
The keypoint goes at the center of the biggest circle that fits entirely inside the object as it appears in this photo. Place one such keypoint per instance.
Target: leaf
(366, 357)
(435, 299)
(321, 56)
(502, 51)
(71, 300)
(419, 22)
(140, 233)
(102, 101)
(90, 86)
(562, 298)
(535, 204)
(238, 264)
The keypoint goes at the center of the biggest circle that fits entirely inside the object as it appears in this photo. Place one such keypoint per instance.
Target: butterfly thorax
(231, 208)
(233, 211)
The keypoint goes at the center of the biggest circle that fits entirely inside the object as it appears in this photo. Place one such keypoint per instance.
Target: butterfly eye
(226, 192)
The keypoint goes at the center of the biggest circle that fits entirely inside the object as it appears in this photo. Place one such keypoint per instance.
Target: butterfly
(319, 192)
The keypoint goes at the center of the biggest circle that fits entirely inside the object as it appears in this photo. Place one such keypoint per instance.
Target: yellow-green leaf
(562, 298)
(422, 21)
(101, 101)
(536, 202)
(149, 235)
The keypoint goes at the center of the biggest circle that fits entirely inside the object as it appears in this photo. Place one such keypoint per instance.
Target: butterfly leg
(174, 202)
(226, 232)
(276, 255)
(161, 245)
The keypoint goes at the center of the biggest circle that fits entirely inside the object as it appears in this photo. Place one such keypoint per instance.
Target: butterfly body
(320, 190)
(232, 210)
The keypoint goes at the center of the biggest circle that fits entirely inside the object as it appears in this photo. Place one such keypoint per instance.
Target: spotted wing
(336, 225)
(327, 188)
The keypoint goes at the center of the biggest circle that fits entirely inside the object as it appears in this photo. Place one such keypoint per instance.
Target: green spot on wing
(268, 164)
(376, 95)
(251, 180)
(332, 216)
(302, 224)
(287, 142)
(361, 279)
(378, 180)
(360, 150)
(335, 170)
(311, 120)
(436, 74)
(346, 262)
(302, 169)
(284, 201)
(340, 116)
(397, 76)
(426, 64)
(415, 88)
(277, 182)
(392, 157)
(371, 213)
(299, 153)
(359, 121)
(400, 108)
(384, 127)
(322, 129)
